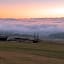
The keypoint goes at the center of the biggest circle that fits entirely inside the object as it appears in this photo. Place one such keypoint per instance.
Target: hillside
(57, 35)
(44, 52)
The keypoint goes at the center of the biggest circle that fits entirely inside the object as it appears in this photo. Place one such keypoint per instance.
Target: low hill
(57, 35)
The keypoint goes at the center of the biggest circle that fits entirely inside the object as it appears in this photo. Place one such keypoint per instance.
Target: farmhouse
(16, 38)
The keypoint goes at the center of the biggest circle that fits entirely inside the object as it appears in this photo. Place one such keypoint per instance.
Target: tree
(36, 38)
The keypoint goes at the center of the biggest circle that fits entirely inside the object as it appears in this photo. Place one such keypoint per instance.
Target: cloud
(30, 27)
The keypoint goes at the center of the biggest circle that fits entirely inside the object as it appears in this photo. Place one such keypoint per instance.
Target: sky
(31, 8)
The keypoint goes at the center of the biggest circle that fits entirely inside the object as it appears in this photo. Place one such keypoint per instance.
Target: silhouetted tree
(36, 38)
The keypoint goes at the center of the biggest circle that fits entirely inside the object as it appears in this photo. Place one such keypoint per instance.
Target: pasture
(44, 52)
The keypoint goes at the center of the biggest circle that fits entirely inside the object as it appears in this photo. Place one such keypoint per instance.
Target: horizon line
(32, 18)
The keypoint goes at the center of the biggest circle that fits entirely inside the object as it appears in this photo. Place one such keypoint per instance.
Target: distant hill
(57, 35)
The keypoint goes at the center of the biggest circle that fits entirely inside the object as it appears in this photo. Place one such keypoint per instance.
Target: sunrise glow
(31, 8)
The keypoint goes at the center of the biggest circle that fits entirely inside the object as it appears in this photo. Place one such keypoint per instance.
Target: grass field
(31, 53)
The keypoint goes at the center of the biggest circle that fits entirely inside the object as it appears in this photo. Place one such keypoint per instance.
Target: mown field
(31, 53)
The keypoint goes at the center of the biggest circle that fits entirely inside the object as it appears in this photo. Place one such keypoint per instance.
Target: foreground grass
(31, 53)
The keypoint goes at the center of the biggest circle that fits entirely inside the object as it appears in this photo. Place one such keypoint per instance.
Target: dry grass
(29, 53)
(24, 58)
